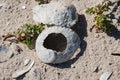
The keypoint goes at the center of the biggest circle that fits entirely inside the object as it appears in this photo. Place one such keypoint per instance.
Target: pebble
(5, 54)
(26, 62)
(23, 7)
(72, 66)
(35, 74)
(3, 49)
(7, 23)
(114, 21)
(96, 69)
(117, 16)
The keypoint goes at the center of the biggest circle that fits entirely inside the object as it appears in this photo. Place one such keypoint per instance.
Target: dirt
(90, 63)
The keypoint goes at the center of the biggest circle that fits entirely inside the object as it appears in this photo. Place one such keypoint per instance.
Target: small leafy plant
(39, 0)
(43, 1)
(28, 33)
(101, 21)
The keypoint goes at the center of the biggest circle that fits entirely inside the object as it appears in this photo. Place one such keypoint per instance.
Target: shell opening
(55, 41)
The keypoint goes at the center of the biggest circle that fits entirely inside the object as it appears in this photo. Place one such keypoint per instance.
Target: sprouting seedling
(28, 33)
(99, 9)
(101, 21)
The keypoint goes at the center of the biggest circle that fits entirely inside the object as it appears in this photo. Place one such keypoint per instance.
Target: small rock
(72, 66)
(7, 23)
(117, 15)
(114, 21)
(97, 69)
(106, 75)
(26, 62)
(5, 54)
(23, 7)
(3, 49)
(35, 74)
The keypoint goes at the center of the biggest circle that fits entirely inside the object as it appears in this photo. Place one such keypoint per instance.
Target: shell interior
(55, 41)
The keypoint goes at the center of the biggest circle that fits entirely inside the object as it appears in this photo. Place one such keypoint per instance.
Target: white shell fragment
(2, 4)
(26, 62)
(55, 13)
(56, 44)
(18, 73)
(106, 75)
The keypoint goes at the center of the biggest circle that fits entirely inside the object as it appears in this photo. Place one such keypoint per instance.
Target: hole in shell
(55, 41)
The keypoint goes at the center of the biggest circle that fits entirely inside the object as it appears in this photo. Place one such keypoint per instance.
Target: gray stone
(5, 54)
(35, 74)
(3, 49)
(55, 13)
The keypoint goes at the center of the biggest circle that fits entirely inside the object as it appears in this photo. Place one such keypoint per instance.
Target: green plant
(28, 33)
(101, 21)
(43, 1)
(39, 0)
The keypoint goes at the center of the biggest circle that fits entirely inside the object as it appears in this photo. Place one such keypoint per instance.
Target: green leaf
(90, 11)
(31, 33)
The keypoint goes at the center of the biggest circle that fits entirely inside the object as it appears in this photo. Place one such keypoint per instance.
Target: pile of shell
(57, 43)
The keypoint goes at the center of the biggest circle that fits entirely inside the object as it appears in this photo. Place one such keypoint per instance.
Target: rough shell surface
(55, 13)
(52, 56)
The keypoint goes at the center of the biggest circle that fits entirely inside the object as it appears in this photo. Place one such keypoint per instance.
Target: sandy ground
(94, 58)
